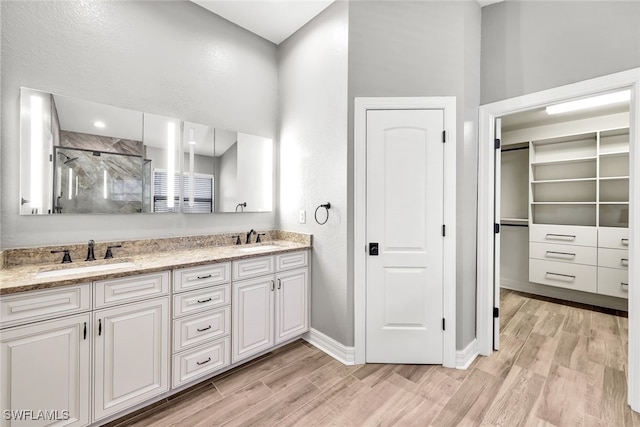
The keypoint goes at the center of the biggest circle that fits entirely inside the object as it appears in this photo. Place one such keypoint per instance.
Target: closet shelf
(565, 203)
(614, 178)
(565, 161)
(614, 153)
(523, 221)
(550, 181)
(614, 203)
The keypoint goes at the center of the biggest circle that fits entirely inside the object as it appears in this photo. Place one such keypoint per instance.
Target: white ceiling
(274, 20)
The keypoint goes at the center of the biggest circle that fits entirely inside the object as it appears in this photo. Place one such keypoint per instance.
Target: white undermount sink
(258, 248)
(83, 269)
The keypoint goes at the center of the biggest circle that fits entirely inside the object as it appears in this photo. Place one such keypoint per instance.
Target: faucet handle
(258, 240)
(238, 242)
(109, 254)
(66, 258)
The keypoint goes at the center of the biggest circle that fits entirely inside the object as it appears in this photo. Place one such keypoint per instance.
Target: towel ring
(326, 207)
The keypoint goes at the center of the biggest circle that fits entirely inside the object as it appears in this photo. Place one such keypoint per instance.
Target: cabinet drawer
(37, 305)
(613, 237)
(564, 253)
(563, 234)
(200, 361)
(252, 267)
(563, 275)
(133, 288)
(201, 300)
(292, 260)
(199, 277)
(614, 282)
(198, 328)
(613, 258)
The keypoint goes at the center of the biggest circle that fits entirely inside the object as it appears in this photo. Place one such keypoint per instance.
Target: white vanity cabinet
(270, 302)
(45, 366)
(201, 321)
(45, 355)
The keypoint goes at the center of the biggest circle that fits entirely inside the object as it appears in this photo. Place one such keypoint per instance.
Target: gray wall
(528, 46)
(313, 159)
(168, 58)
(408, 48)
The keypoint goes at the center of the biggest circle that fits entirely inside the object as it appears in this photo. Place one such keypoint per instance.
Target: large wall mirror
(79, 156)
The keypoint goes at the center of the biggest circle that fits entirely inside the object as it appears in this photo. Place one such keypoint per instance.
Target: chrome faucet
(90, 254)
(249, 235)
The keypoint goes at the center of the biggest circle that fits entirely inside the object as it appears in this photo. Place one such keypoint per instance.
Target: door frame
(486, 167)
(448, 105)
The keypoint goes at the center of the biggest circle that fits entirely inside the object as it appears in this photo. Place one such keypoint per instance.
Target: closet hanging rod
(504, 150)
(513, 225)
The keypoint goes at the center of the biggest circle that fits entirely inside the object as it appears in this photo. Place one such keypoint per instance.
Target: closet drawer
(292, 260)
(186, 279)
(563, 275)
(614, 282)
(564, 253)
(613, 258)
(42, 304)
(613, 237)
(132, 288)
(201, 361)
(198, 328)
(201, 300)
(563, 234)
(252, 267)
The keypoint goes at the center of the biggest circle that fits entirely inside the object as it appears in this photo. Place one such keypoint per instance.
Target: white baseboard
(342, 353)
(565, 294)
(466, 356)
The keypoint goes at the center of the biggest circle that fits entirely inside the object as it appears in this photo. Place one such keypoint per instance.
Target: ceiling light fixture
(99, 124)
(594, 101)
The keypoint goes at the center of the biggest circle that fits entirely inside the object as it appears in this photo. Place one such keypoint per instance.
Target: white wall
(528, 46)
(313, 159)
(408, 48)
(167, 58)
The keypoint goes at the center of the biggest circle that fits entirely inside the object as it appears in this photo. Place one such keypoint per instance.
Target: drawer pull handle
(551, 236)
(85, 331)
(624, 242)
(562, 275)
(99, 327)
(204, 277)
(279, 284)
(200, 301)
(624, 261)
(624, 286)
(206, 361)
(204, 329)
(562, 254)
(273, 285)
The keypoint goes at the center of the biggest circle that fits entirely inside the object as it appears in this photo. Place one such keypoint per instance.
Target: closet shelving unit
(578, 211)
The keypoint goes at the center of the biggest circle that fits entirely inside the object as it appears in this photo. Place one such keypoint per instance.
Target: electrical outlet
(303, 216)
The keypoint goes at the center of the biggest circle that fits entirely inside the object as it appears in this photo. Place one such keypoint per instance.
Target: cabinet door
(45, 367)
(131, 355)
(252, 307)
(292, 304)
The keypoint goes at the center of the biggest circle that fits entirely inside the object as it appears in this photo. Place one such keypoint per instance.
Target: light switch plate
(303, 216)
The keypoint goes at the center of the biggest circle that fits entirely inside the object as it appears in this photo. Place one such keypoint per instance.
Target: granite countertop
(24, 278)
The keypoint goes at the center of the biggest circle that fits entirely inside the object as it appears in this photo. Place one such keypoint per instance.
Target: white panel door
(405, 218)
(292, 304)
(45, 367)
(252, 325)
(131, 355)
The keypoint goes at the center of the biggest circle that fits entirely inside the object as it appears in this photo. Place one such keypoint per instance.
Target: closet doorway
(579, 186)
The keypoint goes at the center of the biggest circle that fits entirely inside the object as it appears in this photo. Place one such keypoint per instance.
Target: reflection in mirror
(162, 147)
(199, 166)
(245, 172)
(79, 156)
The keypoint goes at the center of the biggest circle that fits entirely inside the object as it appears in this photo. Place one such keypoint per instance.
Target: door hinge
(496, 228)
(443, 324)
(496, 312)
(444, 230)
(444, 136)
(497, 143)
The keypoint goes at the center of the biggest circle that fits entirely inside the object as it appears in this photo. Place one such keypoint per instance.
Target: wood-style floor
(558, 365)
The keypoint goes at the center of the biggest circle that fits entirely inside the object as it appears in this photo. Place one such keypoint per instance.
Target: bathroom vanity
(93, 344)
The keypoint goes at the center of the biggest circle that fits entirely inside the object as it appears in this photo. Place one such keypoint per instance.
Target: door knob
(373, 249)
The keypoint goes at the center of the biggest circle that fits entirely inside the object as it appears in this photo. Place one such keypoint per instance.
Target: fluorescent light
(37, 151)
(171, 146)
(99, 124)
(105, 178)
(594, 101)
(192, 136)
